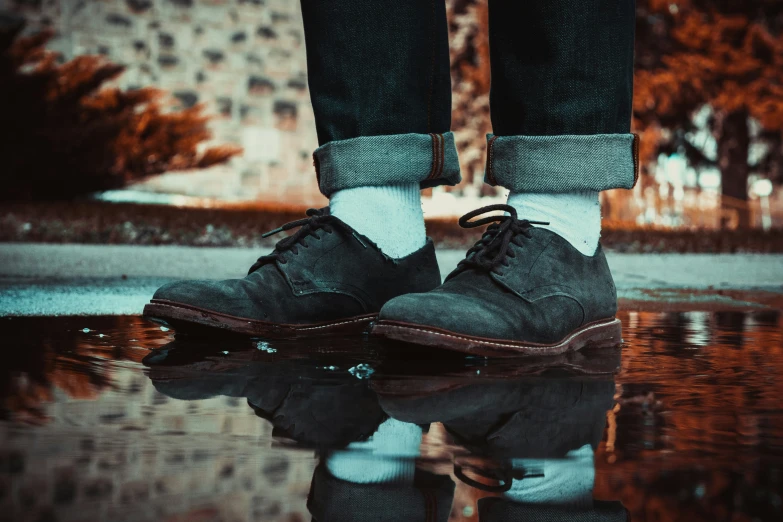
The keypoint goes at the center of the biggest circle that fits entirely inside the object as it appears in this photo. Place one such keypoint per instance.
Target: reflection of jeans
(429, 499)
(560, 98)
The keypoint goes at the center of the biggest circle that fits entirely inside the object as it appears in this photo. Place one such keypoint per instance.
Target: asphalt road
(48, 279)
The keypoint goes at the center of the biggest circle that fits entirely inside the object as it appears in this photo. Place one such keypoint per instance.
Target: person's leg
(561, 109)
(377, 69)
(380, 87)
(562, 83)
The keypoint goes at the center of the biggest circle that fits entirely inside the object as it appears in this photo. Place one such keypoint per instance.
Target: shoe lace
(316, 219)
(491, 250)
(501, 472)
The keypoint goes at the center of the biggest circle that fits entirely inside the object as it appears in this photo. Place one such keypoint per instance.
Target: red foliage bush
(726, 54)
(64, 133)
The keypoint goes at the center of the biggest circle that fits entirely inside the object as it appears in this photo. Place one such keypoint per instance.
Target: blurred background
(188, 122)
(204, 104)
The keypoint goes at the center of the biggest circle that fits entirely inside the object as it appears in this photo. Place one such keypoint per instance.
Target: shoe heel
(608, 335)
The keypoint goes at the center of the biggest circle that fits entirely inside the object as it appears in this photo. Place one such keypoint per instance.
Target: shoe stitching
(256, 322)
(336, 324)
(540, 254)
(504, 345)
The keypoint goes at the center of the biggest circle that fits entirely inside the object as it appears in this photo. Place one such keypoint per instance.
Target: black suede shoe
(325, 279)
(520, 290)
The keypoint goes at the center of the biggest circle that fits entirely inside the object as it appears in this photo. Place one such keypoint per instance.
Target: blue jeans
(562, 84)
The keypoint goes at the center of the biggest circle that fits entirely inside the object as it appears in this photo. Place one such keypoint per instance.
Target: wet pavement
(113, 418)
(70, 279)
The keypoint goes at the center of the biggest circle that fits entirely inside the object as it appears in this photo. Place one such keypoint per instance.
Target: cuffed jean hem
(558, 164)
(427, 159)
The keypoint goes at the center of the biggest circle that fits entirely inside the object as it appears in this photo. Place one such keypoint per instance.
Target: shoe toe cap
(455, 313)
(186, 292)
(403, 308)
(227, 297)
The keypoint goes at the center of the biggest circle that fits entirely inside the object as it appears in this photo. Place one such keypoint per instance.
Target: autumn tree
(725, 54)
(65, 132)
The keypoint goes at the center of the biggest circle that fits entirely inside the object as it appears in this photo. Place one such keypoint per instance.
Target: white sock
(387, 456)
(390, 216)
(574, 216)
(566, 481)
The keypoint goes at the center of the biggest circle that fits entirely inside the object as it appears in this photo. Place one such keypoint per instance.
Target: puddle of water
(112, 418)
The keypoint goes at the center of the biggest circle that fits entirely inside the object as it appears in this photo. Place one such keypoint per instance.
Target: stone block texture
(137, 454)
(245, 61)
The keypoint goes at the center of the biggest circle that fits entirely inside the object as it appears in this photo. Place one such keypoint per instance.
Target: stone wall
(245, 61)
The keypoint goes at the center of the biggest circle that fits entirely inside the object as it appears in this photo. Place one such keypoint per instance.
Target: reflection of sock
(390, 216)
(566, 481)
(387, 456)
(574, 216)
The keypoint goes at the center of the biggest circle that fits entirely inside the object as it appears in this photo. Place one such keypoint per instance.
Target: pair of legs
(560, 108)
(381, 93)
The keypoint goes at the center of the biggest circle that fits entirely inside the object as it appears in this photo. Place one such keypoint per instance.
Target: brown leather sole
(182, 316)
(606, 333)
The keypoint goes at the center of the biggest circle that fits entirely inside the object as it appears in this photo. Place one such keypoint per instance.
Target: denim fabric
(561, 67)
(377, 67)
(428, 159)
(380, 70)
(557, 164)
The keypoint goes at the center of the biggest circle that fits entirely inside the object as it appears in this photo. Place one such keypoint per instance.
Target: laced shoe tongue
(317, 219)
(491, 250)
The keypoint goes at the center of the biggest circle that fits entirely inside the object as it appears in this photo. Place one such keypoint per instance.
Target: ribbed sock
(387, 456)
(566, 481)
(390, 216)
(575, 216)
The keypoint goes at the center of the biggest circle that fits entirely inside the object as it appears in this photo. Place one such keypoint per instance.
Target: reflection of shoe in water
(534, 418)
(529, 441)
(399, 376)
(520, 290)
(188, 370)
(316, 410)
(403, 359)
(306, 402)
(324, 279)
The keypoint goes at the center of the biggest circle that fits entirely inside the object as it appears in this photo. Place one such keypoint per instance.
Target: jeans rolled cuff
(558, 164)
(427, 159)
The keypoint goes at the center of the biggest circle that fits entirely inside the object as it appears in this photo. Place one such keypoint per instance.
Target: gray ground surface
(47, 279)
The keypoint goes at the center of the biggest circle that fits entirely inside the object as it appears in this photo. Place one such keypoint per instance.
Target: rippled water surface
(112, 418)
